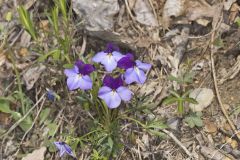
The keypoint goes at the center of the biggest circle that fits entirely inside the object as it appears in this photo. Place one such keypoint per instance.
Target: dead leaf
(144, 14)
(131, 3)
(227, 127)
(232, 72)
(210, 127)
(23, 52)
(227, 4)
(153, 88)
(25, 39)
(32, 75)
(172, 8)
(4, 119)
(203, 22)
(235, 8)
(145, 140)
(211, 153)
(3, 58)
(232, 142)
(44, 25)
(36, 154)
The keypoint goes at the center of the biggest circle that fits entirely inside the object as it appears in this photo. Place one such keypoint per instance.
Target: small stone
(203, 96)
(36, 154)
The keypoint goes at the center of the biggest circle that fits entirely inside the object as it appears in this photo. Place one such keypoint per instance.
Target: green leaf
(194, 119)
(186, 94)
(8, 16)
(54, 20)
(26, 21)
(110, 142)
(157, 124)
(218, 42)
(52, 129)
(25, 124)
(170, 100)
(173, 78)
(62, 5)
(157, 133)
(4, 106)
(67, 66)
(188, 77)
(174, 93)
(238, 21)
(44, 114)
(56, 55)
(45, 56)
(190, 100)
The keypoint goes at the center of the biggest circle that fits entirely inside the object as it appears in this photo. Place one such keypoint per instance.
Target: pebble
(203, 96)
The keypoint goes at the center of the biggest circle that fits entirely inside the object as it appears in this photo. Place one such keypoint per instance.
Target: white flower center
(79, 76)
(109, 57)
(113, 92)
(137, 70)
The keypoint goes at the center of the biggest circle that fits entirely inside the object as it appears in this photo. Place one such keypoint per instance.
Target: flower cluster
(114, 90)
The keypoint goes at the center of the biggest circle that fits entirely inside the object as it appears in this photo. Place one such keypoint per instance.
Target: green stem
(132, 119)
(88, 133)
(19, 83)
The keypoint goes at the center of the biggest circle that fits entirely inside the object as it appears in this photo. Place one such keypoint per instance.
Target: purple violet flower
(63, 148)
(113, 91)
(109, 57)
(78, 76)
(135, 70)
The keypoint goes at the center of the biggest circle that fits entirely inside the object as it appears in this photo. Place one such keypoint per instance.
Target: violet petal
(79, 64)
(85, 83)
(111, 98)
(111, 47)
(63, 148)
(71, 72)
(109, 63)
(130, 76)
(73, 82)
(87, 69)
(99, 57)
(143, 66)
(117, 55)
(126, 62)
(113, 83)
(124, 93)
(141, 75)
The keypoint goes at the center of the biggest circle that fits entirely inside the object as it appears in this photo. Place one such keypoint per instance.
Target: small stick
(21, 119)
(170, 134)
